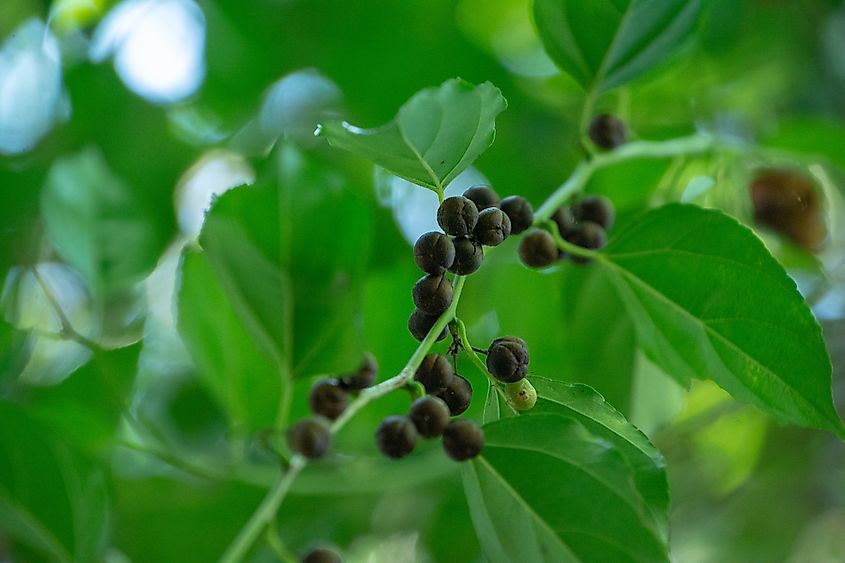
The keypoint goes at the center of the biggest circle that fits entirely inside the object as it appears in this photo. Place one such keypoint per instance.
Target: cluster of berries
(470, 221)
(584, 224)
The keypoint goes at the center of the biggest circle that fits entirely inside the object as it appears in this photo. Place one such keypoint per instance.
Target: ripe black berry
(483, 197)
(327, 398)
(420, 324)
(363, 377)
(607, 131)
(493, 227)
(519, 211)
(538, 249)
(457, 216)
(786, 201)
(457, 395)
(463, 440)
(595, 209)
(564, 219)
(321, 555)
(396, 436)
(434, 252)
(430, 416)
(468, 256)
(507, 359)
(433, 294)
(310, 437)
(586, 235)
(435, 373)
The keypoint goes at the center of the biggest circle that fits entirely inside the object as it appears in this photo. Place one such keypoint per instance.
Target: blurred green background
(119, 120)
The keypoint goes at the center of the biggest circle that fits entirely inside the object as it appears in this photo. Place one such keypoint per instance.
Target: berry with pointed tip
(363, 377)
(321, 555)
(564, 219)
(507, 359)
(396, 436)
(538, 249)
(327, 398)
(483, 197)
(468, 256)
(420, 323)
(435, 373)
(432, 294)
(463, 440)
(493, 227)
(595, 209)
(457, 215)
(607, 131)
(434, 252)
(586, 235)
(519, 211)
(521, 395)
(310, 437)
(430, 416)
(457, 395)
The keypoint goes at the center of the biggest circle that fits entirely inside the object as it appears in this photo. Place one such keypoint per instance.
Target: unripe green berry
(483, 197)
(538, 249)
(435, 373)
(595, 209)
(493, 227)
(564, 219)
(587, 235)
(321, 555)
(396, 436)
(463, 440)
(521, 395)
(607, 131)
(468, 256)
(507, 359)
(433, 294)
(419, 323)
(519, 211)
(327, 398)
(310, 437)
(430, 416)
(457, 216)
(363, 377)
(457, 395)
(434, 252)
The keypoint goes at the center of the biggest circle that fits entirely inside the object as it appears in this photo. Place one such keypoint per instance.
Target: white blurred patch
(158, 47)
(30, 86)
(415, 207)
(215, 173)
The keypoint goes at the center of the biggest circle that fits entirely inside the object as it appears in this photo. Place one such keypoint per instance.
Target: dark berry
(507, 359)
(483, 197)
(433, 294)
(434, 252)
(457, 395)
(538, 249)
(420, 324)
(586, 235)
(468, 256)
(564, 219)
(310, 437)
(463, 440)
(457, 216)
(396, 436)
(435, 373)
(607, 131)
(787, 202)
(321, 555)
(493, 227)
(430, 416)
(363, 377)
(595, 209)
(327, 398)
(519, 211)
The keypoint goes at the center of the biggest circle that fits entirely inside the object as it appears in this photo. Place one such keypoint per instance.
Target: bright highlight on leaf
(435, 136)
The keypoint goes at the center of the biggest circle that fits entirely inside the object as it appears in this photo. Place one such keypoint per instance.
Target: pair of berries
(584, 224)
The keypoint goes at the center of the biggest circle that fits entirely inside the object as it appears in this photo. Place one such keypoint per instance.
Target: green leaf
(51, 500)
(435, 136)
(606, 43)
(545, 488)
(709, 301)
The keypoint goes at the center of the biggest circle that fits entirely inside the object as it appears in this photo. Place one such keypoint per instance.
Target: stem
(567, 246)
(66, 330)
(482, 367)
